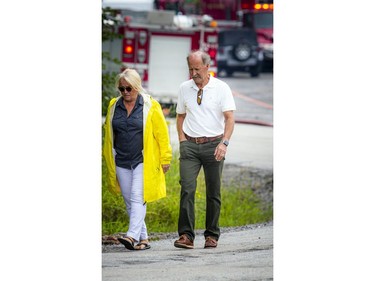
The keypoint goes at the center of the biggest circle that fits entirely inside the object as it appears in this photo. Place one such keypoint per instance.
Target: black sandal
(127, 241)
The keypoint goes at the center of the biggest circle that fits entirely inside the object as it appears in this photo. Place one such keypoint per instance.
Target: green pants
(192, 157)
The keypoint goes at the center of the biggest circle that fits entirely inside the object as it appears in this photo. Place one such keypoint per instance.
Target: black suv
(239, 51)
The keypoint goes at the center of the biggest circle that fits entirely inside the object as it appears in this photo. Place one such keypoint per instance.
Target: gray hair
(132, 77)
(206, 59)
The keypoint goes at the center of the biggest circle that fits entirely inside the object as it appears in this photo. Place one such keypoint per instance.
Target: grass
(239, 206)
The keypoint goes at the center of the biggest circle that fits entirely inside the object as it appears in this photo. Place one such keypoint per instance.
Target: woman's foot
(142, 245)
(127, 241)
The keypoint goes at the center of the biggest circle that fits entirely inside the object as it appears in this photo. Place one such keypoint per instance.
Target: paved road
(245, 254)
(253, 98)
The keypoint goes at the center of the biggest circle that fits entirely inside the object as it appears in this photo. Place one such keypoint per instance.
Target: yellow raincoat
(157, 149)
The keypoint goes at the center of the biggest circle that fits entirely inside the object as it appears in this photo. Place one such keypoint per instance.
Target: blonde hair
(132, 77)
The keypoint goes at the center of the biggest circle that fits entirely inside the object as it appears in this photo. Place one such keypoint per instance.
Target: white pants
(131, 183)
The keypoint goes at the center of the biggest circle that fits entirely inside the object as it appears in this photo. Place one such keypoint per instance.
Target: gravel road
(243, 253)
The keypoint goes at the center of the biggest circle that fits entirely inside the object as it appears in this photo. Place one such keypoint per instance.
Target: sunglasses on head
(122, 89)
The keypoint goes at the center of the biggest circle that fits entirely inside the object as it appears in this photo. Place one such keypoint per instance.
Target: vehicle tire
(242, 51)
(219, 71)
(228, 72)
(255, 70)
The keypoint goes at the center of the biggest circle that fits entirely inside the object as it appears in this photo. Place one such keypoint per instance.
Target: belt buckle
(199, 140)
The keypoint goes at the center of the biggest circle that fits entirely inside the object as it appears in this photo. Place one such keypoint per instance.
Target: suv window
(230, 37)
(263, 20)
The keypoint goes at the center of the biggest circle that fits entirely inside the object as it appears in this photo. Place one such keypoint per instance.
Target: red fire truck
(256, 14)
(157, 46)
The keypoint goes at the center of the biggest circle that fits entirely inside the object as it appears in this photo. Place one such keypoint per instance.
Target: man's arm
(179, 121)
(229, 124)
(221, 148)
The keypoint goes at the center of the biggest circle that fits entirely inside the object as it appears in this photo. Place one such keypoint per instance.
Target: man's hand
(220, 151)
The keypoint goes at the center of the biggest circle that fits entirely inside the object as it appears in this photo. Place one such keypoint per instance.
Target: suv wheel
(255, 70)
(242, 51)
(229, 72)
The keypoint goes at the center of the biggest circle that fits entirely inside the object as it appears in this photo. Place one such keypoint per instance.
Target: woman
(137, 152)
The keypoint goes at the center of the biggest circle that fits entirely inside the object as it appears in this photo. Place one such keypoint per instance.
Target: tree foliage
(110, 25)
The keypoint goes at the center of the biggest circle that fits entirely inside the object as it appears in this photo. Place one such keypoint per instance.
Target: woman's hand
(165, 167)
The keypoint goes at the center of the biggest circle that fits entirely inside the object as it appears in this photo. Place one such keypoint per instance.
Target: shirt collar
(209, 84)
(139, 101)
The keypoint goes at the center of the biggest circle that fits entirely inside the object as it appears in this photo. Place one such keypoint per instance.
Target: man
(205, 123)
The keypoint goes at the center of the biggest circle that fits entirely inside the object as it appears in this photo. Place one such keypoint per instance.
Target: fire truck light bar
(263, 6)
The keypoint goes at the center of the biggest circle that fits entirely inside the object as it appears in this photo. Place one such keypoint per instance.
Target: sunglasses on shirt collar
(122, 89)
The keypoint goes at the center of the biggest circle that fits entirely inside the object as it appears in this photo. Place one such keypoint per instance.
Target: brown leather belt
(201, 140)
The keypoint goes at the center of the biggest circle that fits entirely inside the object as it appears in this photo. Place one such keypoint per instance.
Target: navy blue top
(128, 134)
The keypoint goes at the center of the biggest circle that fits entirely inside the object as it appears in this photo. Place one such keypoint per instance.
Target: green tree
(110, 25)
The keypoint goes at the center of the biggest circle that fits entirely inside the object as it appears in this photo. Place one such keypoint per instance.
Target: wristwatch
(225, 142)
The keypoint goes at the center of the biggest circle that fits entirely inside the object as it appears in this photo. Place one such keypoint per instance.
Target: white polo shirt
(206, 119)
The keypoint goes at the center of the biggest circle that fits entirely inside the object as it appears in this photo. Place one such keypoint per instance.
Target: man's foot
(184, 242)
(210, 242)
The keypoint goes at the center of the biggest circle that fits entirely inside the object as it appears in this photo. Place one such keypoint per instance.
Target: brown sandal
(143, 245)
